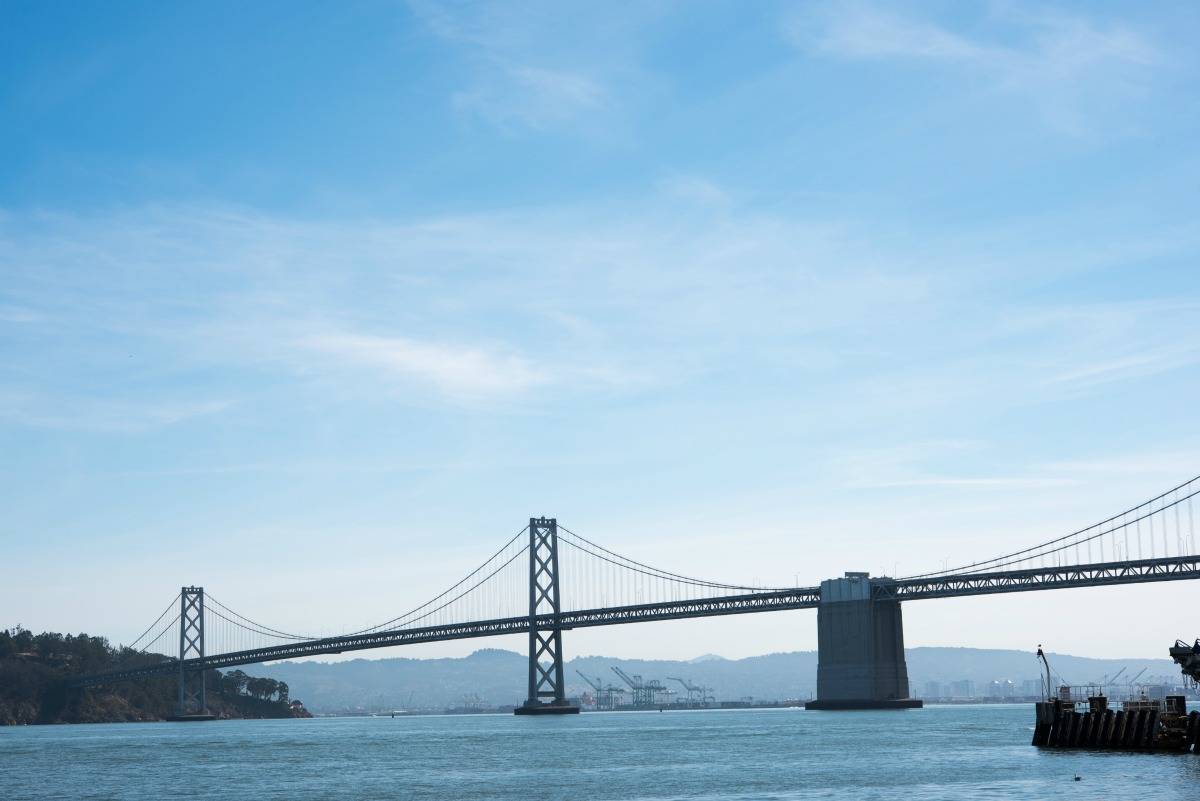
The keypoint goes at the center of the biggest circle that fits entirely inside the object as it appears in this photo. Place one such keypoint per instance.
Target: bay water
(941, 752)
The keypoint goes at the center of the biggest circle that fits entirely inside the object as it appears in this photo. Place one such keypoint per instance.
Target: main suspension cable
(247, 623)
(647, 570)
(265, 633)
(1044, 549)
(438, 597)
(260, 628)
(472, 588)
(149, 628)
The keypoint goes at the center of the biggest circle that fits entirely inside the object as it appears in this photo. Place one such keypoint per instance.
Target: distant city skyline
(315, 306)
(494, 677)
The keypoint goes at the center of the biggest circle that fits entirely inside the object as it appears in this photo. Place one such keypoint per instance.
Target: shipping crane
(606, 697)
(1101, 687)
(594, 683)
(1106, 681)
(643, 691)
(1134, 680)
(696, 694)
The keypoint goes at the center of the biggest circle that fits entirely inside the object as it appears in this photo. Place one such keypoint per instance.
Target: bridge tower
(546, 684)
(860, 647)
(192, 701)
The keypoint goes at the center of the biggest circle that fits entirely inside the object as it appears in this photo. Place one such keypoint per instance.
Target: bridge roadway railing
(771, 601)
(1042, 578)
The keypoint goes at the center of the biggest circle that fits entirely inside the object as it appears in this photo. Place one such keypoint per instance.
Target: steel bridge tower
(546, 684)
(192, 701)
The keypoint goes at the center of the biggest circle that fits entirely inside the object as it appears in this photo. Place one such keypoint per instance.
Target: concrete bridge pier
(860, 647)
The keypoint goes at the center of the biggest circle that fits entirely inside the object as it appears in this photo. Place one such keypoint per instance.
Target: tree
(234, 683)
(22, 639)
(262, 688)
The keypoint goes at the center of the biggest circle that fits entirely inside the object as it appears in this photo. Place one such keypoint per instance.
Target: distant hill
(495, 677)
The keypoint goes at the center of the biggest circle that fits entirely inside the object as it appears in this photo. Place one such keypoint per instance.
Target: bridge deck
(1093, 575)
(1046, 578)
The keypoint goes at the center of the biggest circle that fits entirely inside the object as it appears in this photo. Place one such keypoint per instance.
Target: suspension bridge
(547, 579)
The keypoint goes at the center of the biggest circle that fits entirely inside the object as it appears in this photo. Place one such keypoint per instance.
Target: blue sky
(323, 301)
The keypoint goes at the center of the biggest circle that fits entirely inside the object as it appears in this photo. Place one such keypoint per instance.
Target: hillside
(34, 670)
(497, 677)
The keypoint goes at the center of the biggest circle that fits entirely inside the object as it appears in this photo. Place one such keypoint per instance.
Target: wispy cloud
(14, 314)
(1170, 465)
(1129, 366)
(1095, 344)
(522, 96)
(1050, 46)
(542, 66)
(861, 31)
(928, 464)
(480, 310)
(81, 413)
(695, 189)
(1001, 482)
(460, 372)
(1067, 64)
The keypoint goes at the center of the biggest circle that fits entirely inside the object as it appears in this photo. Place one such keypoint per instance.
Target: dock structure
(1138, 726)
(1141, 724)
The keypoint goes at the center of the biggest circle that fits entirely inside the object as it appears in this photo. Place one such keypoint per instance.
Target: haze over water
(965, 752)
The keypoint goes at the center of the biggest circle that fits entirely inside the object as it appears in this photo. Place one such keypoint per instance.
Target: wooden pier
(1138, 726)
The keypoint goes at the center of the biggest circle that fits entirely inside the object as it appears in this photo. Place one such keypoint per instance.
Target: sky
(316, 304)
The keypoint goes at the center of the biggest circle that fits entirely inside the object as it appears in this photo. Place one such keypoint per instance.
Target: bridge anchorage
(546, 687)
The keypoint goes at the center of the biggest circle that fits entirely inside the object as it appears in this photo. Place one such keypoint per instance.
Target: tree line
(235, 682)
(33, 687)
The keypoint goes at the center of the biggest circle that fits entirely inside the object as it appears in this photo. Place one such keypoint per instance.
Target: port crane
(606, 696)
(696, 693)
(643, 691)
(1108, 681)
(1134, 680)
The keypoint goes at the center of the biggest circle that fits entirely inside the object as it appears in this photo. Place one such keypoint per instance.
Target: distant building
(933, 689)
(963, 689)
